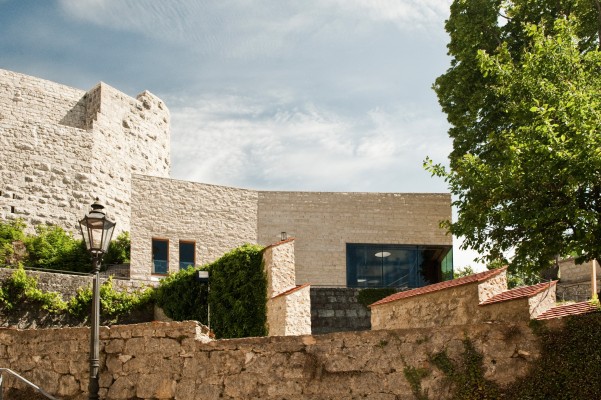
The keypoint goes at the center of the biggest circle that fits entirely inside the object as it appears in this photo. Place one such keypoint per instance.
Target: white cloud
(264, 142)
(238, 28)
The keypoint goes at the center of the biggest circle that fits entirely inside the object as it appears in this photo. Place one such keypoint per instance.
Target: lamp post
(203, 277)
(97, 231)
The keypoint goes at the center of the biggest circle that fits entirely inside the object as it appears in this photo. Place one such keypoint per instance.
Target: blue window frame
(187, 254)
(160, 256)
(397, 266)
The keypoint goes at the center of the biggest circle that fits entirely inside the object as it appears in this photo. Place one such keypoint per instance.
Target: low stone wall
(337, 310)
(66, 285)
(174, 360)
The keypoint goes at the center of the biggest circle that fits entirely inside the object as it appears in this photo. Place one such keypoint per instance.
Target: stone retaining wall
(337, 310)
(174, 360)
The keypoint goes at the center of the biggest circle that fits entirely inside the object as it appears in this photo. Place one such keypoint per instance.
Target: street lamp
(97, 231)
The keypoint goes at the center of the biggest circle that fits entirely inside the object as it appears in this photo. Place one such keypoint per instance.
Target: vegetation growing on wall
(371, 295)
(182, 297)
(53, 248)
(21, 290)
(238, 294)
(568, 367)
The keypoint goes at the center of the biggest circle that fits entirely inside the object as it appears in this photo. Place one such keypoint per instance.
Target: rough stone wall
(173, 360)
(323, 223)
(216, 218)
(575, 280)
(60, 147)
(492, 286)
(67, 284)
(542, 301)
(288, 306)
(570, 272)
(276, 316)
(454, 306)
(279, 267)
(337, 310)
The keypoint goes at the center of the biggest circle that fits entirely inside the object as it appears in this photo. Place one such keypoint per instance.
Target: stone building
(61, 147)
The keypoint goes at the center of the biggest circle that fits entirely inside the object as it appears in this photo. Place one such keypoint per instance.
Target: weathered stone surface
(69, 142)
(348, 365)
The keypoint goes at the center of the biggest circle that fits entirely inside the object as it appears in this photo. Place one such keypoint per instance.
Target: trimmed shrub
(182, 297)
(238, 295)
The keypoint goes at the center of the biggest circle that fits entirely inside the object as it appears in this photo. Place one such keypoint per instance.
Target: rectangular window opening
(397, 266)
(160, 256)
(187, 254)
(12, 209)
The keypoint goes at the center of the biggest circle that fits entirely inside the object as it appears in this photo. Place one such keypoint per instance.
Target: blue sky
(329, 95)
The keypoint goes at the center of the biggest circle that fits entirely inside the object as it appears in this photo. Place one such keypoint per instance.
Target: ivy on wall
(182, 297)
(237, 296)
(568, 367)
(21, 291)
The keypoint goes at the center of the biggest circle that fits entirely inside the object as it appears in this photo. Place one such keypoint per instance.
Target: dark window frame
(193, 243)
(159, 239)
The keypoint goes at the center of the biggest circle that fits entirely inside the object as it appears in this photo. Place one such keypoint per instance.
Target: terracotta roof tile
(290, 291)
(568, 309)
(291, 239)
(521, 292)
(440, 286)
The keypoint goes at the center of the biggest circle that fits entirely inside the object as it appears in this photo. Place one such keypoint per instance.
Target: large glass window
(398, 266)
(187, 255)
(160, 256)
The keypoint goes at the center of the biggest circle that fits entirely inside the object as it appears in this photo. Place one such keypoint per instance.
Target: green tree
(119, 250)
(10, 232)
(53, 248)
(522, 99)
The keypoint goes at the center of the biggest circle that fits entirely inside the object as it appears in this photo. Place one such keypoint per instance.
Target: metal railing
(19, 377)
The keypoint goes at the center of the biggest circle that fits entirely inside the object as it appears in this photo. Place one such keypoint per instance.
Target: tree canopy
(523, 97)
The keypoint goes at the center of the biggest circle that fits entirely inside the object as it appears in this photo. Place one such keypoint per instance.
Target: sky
(311, 95)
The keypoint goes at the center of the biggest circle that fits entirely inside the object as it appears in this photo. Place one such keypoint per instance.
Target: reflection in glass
(160, 256)
(398, 266)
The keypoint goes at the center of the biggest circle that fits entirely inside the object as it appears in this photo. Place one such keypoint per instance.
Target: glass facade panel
(160, 256)
(187, 255)
(398, 266)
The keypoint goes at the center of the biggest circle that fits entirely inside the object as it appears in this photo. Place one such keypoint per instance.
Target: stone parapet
(177, 361)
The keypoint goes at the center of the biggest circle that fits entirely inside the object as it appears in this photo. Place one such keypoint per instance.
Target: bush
(238, 294)
(182, 297)
(119, 250)
(53, 248)
(370, 296)
(10, 232)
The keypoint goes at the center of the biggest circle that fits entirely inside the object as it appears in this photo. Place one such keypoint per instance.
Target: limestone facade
(218, 218)
(60, 147)
(215, 218)
(323, 223)
(176, 361)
